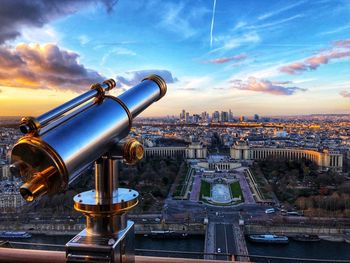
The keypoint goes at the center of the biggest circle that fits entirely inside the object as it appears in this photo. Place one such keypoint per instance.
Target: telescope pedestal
(117, 248)
(108, 236)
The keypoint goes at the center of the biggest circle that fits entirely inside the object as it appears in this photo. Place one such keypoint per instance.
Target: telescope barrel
(30, 124)
(77, 141)
(136, 100)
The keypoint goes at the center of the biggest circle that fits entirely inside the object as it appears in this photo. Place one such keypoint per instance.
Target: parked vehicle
(270, 211)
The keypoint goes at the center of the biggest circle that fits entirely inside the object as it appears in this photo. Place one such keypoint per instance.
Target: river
(317, 250)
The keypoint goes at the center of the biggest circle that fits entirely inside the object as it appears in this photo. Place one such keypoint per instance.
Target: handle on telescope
(33, 125)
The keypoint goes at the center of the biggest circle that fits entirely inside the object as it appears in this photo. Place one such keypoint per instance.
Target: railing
(10, 254)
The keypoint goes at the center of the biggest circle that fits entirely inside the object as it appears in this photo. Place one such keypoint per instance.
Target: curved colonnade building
(241, 150)
(195, 150)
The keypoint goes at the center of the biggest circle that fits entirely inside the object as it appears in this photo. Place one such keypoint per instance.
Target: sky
(251, 56)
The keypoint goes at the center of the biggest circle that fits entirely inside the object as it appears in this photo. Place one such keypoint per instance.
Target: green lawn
(236, 190)
(205, 188)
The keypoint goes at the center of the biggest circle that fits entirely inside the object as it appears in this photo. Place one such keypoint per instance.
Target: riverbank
(195, 243)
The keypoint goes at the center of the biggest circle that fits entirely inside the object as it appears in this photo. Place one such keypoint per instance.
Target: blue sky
(266, 57)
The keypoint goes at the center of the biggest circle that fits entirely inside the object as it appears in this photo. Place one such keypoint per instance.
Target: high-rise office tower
(224, 116)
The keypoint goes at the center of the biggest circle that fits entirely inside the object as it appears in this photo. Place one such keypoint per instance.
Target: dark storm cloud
(15, 14)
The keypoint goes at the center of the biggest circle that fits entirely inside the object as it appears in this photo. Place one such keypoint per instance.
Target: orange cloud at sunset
(44, 67)
(312, 63)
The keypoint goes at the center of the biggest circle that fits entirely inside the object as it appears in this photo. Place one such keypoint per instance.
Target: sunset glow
(284, 57)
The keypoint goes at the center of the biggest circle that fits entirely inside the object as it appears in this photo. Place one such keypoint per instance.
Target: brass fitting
(37, 185)
(110, 83)
(133, 151)
(160, 82)
(29, 125)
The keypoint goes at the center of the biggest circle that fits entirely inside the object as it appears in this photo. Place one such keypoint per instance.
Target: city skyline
(215, 55)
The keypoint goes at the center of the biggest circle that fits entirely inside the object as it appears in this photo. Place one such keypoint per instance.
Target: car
(219, 250)
(157, 219)
(270, 211)
(144, 220)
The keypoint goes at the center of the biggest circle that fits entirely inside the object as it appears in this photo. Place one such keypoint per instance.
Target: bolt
(80, 201)
(79, 195)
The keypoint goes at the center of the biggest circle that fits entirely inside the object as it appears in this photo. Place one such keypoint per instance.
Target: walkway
(247, 194)
(196, 188)
(209, 246)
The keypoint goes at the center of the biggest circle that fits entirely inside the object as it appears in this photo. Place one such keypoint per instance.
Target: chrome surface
(141, 96)
(160, 82)
(44, 119)
(69, 105)
(64, 118)
(71, 143)
(123, 200)
(116, 248)
(108, 236)
(105, 171)
(105, 225)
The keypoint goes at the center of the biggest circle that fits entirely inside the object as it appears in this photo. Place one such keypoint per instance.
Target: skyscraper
(224, 116)
(230, 116)
(216, 116)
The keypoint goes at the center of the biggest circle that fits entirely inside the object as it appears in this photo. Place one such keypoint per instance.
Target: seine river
(316, 250)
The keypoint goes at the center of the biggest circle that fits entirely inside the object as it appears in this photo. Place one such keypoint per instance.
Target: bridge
(223, 238)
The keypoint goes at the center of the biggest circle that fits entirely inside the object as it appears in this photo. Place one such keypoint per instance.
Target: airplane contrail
(212, 24)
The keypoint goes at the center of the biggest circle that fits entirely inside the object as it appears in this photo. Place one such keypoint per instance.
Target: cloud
(345, 43)
(44, 67)
(83, 40)
(15, 14)
(339, 49)
(121, 51)
(278, 11)
(345, 94)
(339, 29)
(232, 42)
(174, 19)
(223, 60)
(134, 77)
(194, 83)
(274, 23)
(312, 63)
(187, 89)
(264, 86)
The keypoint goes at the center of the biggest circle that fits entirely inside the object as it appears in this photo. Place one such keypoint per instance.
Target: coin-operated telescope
(62, 143)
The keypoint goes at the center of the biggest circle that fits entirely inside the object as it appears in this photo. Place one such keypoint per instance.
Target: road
(224, 240)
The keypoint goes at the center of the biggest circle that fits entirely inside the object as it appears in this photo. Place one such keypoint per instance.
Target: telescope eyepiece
(37, 185)
(24, 128)
(29, 125)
